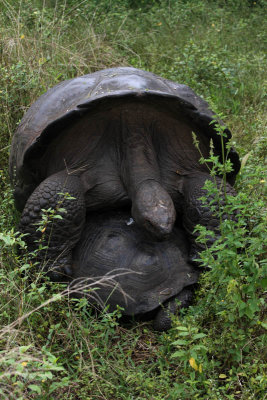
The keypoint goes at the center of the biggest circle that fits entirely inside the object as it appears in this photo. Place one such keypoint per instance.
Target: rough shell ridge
(72, 98)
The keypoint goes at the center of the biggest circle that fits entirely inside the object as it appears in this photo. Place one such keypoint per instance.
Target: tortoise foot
(60, 270)
(163, 319)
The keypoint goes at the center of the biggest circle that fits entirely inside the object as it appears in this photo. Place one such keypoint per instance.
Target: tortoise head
(153, 209)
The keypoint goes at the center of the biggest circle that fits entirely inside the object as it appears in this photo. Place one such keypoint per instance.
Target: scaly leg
(62, 230)
(195, 213)
(163, 320)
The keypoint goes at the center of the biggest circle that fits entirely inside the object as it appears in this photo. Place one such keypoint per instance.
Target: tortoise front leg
(61, 231)
(195, 213)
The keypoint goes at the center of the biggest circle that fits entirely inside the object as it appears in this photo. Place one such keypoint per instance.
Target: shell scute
(147, 272)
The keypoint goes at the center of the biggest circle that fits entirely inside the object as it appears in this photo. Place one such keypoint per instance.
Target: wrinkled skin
(133, 156)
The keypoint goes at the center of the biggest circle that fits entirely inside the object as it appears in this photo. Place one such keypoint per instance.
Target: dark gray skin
(118, 138)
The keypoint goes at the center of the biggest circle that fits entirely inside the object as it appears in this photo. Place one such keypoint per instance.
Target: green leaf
(180, 342)
(23, 349)
(199, 336)
(35, 388)
(63, 210)
(184, 333)
(178, 354)
(48, 375)
(181, 328)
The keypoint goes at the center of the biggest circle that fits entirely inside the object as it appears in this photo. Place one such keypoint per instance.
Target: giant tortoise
(116, 139)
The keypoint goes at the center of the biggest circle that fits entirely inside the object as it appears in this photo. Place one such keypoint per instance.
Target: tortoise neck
(134, 114)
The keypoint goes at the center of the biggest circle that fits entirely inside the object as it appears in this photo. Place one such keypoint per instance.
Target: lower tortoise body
(134, 271)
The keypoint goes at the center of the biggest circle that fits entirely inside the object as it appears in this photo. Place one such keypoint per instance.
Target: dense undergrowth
(52, 347)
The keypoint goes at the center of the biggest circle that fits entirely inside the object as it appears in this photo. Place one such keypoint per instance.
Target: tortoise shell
(65, 103)
(145, 273)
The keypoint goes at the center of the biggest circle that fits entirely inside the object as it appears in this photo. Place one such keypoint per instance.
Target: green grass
(55, 348)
